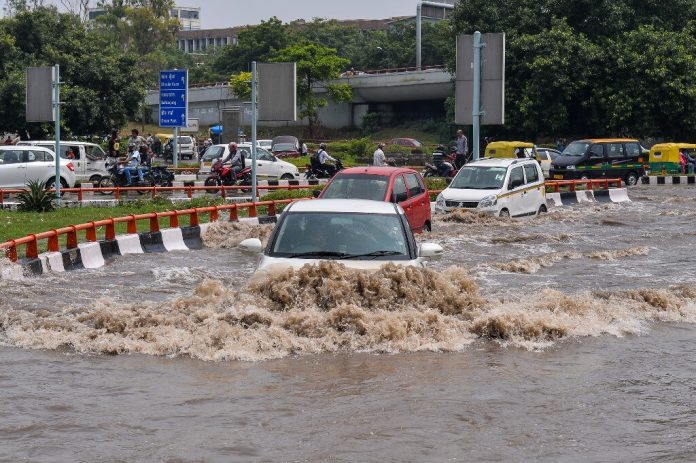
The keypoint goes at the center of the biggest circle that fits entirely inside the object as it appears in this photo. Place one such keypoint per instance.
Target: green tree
(316, 65)
(241, 85)
(255, 43)
(103, 84)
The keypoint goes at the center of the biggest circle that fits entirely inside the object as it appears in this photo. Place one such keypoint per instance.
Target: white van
(88, 159)
(502, 187)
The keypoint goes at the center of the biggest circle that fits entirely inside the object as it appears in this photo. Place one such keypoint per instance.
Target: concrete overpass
(372, 91)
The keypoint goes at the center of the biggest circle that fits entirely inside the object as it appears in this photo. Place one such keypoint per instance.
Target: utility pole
(476, 106)
(56, 114)
(254, 117)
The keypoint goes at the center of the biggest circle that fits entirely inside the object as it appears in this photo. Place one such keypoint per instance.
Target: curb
(668, 180)
(571, 198)
(94, 255)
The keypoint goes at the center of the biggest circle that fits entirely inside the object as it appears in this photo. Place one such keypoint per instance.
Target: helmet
(322, 146)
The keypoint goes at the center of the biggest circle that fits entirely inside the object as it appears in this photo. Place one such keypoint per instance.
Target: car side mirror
(430, 251)
(251, 246)
(316, 193)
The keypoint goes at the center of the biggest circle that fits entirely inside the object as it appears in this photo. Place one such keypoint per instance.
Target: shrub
(370, 123)
(37, 198)
(291, 194)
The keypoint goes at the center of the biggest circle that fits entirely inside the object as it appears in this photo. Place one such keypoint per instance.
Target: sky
(228, 13)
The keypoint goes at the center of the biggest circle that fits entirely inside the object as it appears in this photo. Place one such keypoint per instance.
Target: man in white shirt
(379, 160)
(322, 157)
(132, 165)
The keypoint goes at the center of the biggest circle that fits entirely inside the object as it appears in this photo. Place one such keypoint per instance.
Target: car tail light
(70, 167)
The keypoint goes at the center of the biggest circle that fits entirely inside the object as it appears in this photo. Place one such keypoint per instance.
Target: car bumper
(555, 174)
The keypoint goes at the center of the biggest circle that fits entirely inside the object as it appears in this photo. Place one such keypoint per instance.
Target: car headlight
(440, 201)
(570, 167)
(488, 201)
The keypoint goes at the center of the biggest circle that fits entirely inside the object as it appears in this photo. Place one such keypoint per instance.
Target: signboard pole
(253, 131)
(56, 109)
(476, 106)
(174, 105)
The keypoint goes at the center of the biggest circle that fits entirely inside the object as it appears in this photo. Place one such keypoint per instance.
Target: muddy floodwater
(568, 337)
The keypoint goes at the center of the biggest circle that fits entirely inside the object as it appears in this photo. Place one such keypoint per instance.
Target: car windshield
(213, 152)
(479, 178)
(577, 148)
(341, 235)
(185, 140)
(372, 187)
(284, 147)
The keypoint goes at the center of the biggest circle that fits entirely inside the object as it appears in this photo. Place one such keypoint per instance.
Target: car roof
(25, 148)
(53, 142)
(608, 140)
(506, 144)
(499, 162)
(371, 170)
(284, 139)
(344, 205)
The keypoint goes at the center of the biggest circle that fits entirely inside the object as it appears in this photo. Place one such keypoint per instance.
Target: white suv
(21, 164)
(502, 187)
(88, 159)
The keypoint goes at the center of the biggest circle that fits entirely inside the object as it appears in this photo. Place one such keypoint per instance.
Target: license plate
(207, 164)
(558, 177)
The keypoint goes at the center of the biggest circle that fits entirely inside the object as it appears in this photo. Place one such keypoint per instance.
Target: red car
(391, 184)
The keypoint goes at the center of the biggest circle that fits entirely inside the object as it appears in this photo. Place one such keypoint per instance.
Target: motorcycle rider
(132, 164)
(323, 157)
(237, 159)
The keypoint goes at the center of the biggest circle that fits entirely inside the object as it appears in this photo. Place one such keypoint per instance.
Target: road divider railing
(154, 190)
(90, 229)
(555, 186)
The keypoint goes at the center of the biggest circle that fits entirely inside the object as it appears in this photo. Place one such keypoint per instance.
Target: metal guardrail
(71, 233)
(589, 184)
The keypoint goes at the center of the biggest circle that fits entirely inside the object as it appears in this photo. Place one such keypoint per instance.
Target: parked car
(601, 158)
(187, 147)
(546, 156)
(265, 144)
(21, 164)
(361, 234)
(501, 187)
(88, 159)
(267, 165)
(404, 187)
(407, 142)
(285, 146)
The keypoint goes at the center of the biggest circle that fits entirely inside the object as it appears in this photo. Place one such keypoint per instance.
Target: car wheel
(51, 184)
(287, 177)
(542, 209)
(504, 214)
(632, 179)
(95, 179)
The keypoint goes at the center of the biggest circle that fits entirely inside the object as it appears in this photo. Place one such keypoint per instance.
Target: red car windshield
(361, 186)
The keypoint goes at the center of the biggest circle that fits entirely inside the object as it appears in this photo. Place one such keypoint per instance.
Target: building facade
(189, 17)
(204, 40)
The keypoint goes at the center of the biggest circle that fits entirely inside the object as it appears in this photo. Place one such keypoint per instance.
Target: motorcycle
(118, 179)
(446, 168)
(315, 170)
(161, 176)
(223, 176)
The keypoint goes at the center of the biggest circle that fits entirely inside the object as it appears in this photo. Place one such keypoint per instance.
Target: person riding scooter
(322, 158)
(131, 165)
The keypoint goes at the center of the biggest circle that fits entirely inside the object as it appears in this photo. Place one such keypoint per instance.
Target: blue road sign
(173, 108)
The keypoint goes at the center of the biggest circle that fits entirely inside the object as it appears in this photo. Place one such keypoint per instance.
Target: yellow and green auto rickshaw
(664, 157)
(510, 149)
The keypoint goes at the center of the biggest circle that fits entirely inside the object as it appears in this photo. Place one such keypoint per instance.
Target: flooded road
(563, 338)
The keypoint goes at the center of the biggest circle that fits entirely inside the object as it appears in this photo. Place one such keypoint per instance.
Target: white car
(187, 148)
(88, 159)
(267, 165)
(359, 233)
(502, 187)
(21, 164)
(265, 144)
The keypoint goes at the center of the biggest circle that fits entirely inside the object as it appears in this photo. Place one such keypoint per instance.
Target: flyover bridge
(372, 91)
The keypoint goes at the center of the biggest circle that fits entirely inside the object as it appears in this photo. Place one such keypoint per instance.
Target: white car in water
(267, 165)
(361, 234)
(22, 164)
(500, 186)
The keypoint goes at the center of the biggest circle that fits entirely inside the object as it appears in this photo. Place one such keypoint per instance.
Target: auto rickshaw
(664, 157)
(510, 149)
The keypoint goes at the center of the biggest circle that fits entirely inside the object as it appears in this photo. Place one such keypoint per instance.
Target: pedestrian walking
(462, 149)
